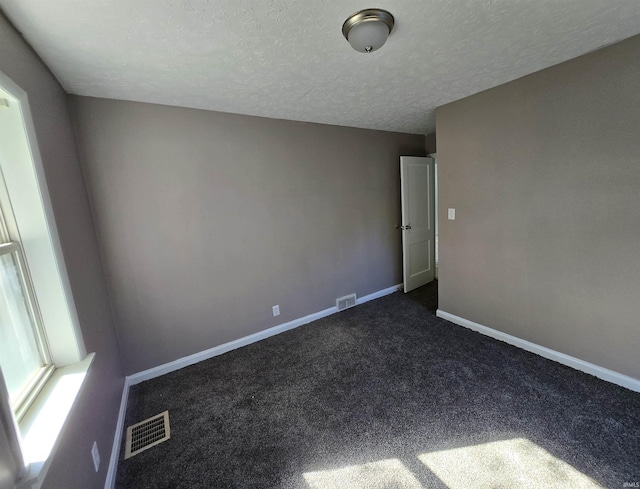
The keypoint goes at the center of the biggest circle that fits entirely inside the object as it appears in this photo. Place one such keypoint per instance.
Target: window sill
(43, 423)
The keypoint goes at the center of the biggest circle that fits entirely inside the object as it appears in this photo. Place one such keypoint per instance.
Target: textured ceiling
(287, 58)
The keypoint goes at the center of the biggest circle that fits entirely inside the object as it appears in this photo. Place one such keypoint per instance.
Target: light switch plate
(451, 214)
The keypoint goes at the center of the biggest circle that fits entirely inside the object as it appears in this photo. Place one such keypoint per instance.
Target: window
(43, 362)
(24, 354)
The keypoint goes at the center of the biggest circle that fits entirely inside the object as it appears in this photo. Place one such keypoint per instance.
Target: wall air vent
(147, 434)
(346, 302)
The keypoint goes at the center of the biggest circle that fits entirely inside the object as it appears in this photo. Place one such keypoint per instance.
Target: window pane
(20, 356)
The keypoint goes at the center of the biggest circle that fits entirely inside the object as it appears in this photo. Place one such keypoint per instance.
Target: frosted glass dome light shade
(368, 30)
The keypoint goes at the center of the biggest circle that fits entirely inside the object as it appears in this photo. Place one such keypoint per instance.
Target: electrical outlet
(276, 310)
(96, 456)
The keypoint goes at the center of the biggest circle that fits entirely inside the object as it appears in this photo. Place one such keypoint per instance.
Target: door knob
(405, 228)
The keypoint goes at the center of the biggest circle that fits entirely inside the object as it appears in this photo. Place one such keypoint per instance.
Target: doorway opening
(419, 199)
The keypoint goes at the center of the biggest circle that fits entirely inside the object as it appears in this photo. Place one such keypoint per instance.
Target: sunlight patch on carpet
(508, 463)
(383, 474)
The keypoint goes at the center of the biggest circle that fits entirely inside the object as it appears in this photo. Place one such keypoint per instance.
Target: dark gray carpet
(383, 381)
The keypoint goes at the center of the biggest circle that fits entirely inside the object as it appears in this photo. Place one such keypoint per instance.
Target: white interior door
(418, 221)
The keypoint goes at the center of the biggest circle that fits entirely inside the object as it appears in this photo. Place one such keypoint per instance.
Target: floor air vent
(346, 302)
(147, 434)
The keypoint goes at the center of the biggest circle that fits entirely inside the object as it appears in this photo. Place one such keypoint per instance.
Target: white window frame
(11, 245)
(27, 188)
(35, 436)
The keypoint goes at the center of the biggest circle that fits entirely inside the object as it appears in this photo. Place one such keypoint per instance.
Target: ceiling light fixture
(368, 29)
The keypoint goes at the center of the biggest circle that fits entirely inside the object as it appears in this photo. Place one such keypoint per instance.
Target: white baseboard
(247, 340)
(117, 438)
(590, 368)
(204, 355)
(380, 293)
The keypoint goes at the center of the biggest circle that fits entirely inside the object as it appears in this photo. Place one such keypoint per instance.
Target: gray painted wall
(430, 143)
(206, 220)
(9, 466)
(96, 413)
(544, 174)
